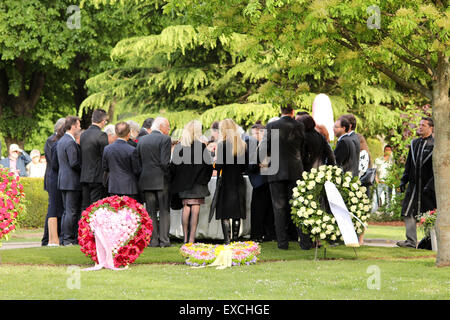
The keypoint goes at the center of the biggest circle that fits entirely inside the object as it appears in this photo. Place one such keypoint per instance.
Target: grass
(47, 273)
(26, 235)
(43, 273)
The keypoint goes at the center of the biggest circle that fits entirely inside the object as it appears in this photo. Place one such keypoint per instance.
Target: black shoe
(405, 244)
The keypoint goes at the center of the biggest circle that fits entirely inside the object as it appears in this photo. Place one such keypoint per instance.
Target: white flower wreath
(308, 213)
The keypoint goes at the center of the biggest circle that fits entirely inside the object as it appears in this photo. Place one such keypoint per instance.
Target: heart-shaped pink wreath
(114, 231)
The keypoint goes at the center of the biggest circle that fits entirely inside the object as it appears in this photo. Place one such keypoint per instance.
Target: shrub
(36, 202)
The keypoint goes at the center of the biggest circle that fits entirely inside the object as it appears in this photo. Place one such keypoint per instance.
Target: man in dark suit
(146, 128)
(352, 120)
(290, 142)
(154, 158)
(121, 162)
(346, 152)
(92, 143)
(48, 157)
(69, 161)
(420, 195)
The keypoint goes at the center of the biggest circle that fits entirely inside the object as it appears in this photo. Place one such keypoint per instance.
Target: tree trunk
(441, 158)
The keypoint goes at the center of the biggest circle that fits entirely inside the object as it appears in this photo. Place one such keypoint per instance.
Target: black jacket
(48, 157)
(189, 166)
(347, 157)
(154, 158)
(69, 162)
(290, 143)
(121, 162)
(92, 143)
(420, 195)
(317, 151)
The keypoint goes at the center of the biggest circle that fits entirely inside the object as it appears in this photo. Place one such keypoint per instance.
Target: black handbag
(368, 178)
(212, 209)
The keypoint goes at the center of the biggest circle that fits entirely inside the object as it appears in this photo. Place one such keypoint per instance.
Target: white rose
(322, 168)
(353, 208)
(347, 179)
(324, 225)
(351, 194)
(366, 208)
(298, 182)
(359, 230)
(354, 200)
(346, 185)
(295, 203)
(304, 175)
(319, 212)
(338, 180)
(327, 232)
(306, 202)
(363, 189)
(318, 222)
(330, 227)
(321, 175)
(364, 218)
(323, 235)
(309, 187)
(338, 171)
(295, 193)
(338, 233)
(333, 237)
(302, 190)
(313, 205)
(360, 205)
(358, 224)
(355, 186)
(309, 196)
(359, 194)
(301, 199)
(326, 218)
(310, 211)
(299, 213)
(318, 180)
(302, 183)
(333, 220)
(311, 176)
(313, 170)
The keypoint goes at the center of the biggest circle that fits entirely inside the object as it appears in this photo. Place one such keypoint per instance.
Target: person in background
(111, 133)
(364, 156)
(16, 161)
(262, 226)
(154, 159)
(301, 114)
(230, 164)
(55, 209)
(351, 133)
(290, 142)
(121, 162)
(92, 142)
(346, 153)
(420, 195)
(69, 169)
(316, 149)
(383, 193)
(48, 147)
(191, 175)
(134, 133)
(35, 169)
(146, 127)
(323, 131)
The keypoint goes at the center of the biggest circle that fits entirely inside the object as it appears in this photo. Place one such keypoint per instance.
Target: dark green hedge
(36, 202)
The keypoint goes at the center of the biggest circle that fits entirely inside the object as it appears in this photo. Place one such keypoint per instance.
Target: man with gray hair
(154, 158)
(48, 157)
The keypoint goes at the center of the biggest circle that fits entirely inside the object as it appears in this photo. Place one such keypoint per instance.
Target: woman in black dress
(55, 202)
(191, 172)
(230, 165)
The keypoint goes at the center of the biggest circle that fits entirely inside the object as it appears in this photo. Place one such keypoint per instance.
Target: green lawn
(45, 273)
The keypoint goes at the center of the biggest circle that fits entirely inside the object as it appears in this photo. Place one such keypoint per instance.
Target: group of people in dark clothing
(84, 167)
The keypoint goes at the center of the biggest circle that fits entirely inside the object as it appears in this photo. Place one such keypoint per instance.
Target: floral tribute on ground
(11, 202)
(202, 254)
(427, 221)
(309, 209)
(118, 228)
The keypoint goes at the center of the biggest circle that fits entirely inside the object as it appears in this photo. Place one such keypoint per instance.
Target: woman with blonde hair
(230, 165)
(192, 170)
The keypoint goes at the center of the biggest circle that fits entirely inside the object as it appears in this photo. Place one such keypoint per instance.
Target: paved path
(19, 245)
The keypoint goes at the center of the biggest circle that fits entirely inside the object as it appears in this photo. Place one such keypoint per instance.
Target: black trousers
(262, 219)
(71, 215)
(161, 226)
(92, 192)
(281, 193)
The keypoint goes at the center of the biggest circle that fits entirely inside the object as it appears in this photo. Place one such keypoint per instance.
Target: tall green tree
(402, 45)
(49, 48)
